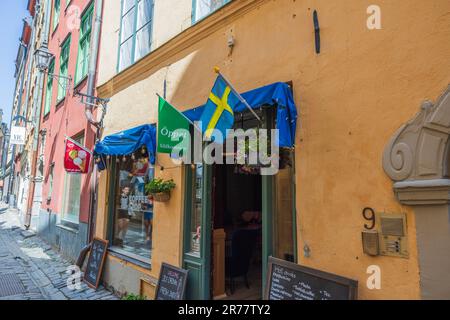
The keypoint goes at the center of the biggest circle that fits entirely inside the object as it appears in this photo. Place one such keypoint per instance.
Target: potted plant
(160, 189)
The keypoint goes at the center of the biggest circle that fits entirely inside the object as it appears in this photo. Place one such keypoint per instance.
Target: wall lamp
(43, 57)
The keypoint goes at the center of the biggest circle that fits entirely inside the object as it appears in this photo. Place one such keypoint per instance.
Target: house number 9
(369, 215)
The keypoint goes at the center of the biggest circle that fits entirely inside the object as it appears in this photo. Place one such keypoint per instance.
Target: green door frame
(267, 222)
(199, 266)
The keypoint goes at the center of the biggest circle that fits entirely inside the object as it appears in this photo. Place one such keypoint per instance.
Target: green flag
(170, 120)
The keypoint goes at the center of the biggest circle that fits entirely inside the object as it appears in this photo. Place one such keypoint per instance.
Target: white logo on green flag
(173, 128)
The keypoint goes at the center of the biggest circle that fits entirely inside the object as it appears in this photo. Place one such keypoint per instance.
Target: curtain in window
(205, 7)
(136, 31)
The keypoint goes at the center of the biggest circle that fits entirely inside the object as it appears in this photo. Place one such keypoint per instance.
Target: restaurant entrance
(236, 257)
(235, 219)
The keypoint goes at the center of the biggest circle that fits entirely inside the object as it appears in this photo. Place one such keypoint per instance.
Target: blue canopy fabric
(277, 94)
(127, 142)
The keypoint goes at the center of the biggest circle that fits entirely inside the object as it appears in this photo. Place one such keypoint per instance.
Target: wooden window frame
(85, 40)
(132, 37)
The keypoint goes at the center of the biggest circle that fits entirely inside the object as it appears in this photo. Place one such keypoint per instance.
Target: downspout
(92, 78)
(37, 102)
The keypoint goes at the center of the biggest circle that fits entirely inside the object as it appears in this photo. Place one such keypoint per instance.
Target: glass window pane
(48, 96)
(127, 5)
(133, 221)
(196, 217)
(144, 13)
(205, 7)
(143, 41)
(125, 54)
(72, 194)
(127, 28)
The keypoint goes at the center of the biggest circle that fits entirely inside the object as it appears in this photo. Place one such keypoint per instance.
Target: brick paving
(41, 271)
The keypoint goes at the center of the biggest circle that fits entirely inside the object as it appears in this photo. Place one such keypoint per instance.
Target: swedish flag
(219, 110)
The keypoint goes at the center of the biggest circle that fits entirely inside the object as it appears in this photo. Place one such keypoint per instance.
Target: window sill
(60, 103)
(67, 7)
(68, 226)
(122, 254)
(54, 30)
(81, 82)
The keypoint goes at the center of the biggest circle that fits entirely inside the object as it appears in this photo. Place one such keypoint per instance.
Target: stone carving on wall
(419, 150)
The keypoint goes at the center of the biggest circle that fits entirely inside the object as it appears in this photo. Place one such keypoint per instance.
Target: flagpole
(217, 70)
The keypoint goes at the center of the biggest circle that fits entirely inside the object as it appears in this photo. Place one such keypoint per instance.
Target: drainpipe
(92, 77)
(37, 102)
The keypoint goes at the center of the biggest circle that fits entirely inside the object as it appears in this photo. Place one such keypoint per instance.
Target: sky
(12, 13)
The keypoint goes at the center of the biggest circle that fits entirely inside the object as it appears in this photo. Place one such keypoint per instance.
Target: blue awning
(278, 95)
(127, 142)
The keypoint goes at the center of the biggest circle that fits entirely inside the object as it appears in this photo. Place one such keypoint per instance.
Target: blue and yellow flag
(219, 110)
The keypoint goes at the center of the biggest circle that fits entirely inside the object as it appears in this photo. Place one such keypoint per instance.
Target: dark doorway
(237, 216)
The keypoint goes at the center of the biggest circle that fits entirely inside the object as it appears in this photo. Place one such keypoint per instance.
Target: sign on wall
(18, 135)
(77, 159)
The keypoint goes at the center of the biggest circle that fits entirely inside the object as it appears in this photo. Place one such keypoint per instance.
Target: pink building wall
(66, 118)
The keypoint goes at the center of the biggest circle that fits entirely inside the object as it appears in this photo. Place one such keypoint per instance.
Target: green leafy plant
(134, 297)
(159, 186)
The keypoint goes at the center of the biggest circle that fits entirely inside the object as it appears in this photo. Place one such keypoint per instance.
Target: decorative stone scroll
(419, 151)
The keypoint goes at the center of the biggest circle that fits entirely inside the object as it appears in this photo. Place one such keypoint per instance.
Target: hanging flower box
(160, 189)
(161, 197)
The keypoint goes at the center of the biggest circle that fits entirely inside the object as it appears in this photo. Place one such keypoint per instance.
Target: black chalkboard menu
(289, 281)
(96, 260)
(171, 283)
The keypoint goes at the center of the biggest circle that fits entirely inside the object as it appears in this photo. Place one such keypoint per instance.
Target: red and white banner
(77, 159)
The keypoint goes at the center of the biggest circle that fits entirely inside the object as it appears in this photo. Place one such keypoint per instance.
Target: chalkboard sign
(97, 257)
(289, 281)
(171, 283)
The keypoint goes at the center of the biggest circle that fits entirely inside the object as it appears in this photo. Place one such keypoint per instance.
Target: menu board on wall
(96, 260)
(172, 283)
(289, 281)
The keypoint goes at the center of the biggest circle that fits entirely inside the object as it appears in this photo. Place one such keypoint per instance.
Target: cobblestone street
(31, 270)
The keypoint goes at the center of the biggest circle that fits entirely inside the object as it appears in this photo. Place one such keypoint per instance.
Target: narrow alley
(31, 270)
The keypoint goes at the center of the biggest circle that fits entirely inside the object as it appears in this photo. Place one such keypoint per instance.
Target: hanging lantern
(108, 157)
(143, 151)
(133, 157)
(124, 159)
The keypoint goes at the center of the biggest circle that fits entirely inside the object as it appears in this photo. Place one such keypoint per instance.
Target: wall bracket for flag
(90, 102)
(96, 101)
(217, 70)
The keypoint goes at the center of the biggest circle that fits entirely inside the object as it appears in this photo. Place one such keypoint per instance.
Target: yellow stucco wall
(352, 98)
(176, 17)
